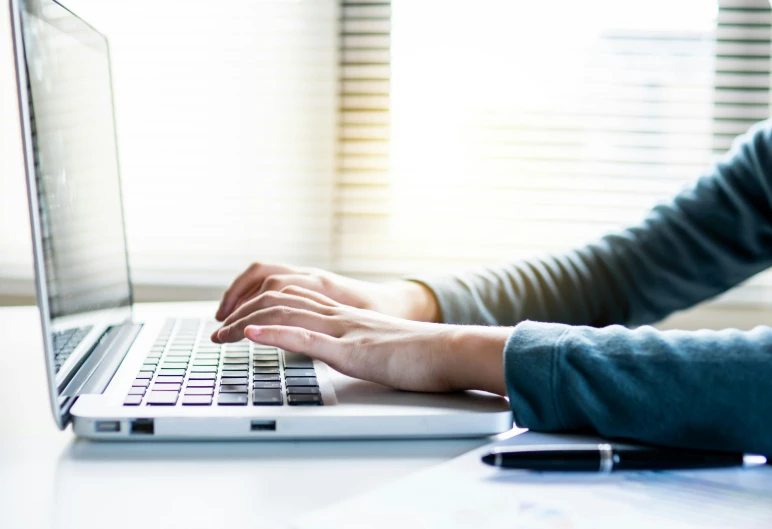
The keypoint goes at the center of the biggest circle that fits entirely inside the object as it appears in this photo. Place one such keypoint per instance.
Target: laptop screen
(76, 161)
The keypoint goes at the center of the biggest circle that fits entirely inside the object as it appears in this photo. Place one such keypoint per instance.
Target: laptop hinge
(101, 365)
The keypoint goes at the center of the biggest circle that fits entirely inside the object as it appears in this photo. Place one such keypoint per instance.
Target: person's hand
(402, 299)
(364, 344)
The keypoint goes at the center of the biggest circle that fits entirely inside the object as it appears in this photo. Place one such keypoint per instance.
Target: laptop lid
(74, 190)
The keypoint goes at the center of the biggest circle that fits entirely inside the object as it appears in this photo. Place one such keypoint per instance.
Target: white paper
(464, 493)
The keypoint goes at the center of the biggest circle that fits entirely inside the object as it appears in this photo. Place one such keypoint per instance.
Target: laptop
(115, 376)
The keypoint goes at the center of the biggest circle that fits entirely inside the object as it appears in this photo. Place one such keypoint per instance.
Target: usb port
(263, 426)
(142, 426)
(107, 426)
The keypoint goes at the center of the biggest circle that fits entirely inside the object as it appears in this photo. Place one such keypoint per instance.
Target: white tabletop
(48, 478)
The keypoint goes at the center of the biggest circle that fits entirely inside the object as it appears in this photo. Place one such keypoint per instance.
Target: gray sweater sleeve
(669, 388)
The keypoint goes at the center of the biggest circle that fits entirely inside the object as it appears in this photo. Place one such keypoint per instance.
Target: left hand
(403, 354)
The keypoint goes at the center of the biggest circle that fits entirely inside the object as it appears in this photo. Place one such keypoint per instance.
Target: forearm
(703, 389)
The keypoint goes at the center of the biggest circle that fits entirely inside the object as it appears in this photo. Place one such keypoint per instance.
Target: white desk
(50, 479)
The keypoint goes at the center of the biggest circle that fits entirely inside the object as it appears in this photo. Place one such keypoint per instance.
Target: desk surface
(50, 479)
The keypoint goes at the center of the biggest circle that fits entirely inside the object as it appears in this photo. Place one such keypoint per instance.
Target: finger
(279, 316)
(277, 282)
(249, 295)
(251, 278)
(275, 299)
(318, 297)
(316, 345)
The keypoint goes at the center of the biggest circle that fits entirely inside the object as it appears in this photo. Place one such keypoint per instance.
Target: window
(518, 128)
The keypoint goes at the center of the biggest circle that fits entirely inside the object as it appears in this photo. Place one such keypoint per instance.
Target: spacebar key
(297, 360)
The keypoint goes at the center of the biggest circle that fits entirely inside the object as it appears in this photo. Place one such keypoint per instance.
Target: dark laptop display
(76, 162)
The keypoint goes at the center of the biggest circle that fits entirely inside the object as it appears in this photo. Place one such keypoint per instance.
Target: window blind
(515, 129)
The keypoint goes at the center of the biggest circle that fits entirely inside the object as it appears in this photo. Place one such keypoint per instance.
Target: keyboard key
(297, 360)
(266, 371)
(199, 391)
(205, 363)
(201, 383)
(258, 347)
(133, 400)
(266, 378)
(264, 363)
(205, 369)
(137, 390)
(141, 382)
(174, 365)
(197, 400)
(233, 388)
(303, 391)
(236, 361)
(235, 373)
(301, 400)
(151, 362)
(162, 398)
(171, 380)
(147, 375)
(267, 397)
(232, 399)
(266, 385)
(294, 372)
(202, 376)
(172, 372)
(149, 367)
(166, 387)
(236, 355)
(300, 381)
(266, 355)
(235, 380)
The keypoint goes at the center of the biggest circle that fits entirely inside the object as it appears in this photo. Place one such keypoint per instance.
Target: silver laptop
(115, 377)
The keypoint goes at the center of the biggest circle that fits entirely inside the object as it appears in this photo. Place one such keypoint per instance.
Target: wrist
(476, 358)
(416, 301)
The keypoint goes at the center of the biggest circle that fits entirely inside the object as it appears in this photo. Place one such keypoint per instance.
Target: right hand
(402, 299)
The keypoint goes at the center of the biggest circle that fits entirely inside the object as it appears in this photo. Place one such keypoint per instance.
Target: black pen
(606, 458)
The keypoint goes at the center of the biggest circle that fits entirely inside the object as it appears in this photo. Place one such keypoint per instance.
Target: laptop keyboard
(185, 368)
(65, 342)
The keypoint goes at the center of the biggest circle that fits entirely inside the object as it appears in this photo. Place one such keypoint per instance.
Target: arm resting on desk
(692, 389)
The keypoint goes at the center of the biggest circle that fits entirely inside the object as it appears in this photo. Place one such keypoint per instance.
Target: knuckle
(272, 283)
(270, 296)
(291, 289)
(307, 337)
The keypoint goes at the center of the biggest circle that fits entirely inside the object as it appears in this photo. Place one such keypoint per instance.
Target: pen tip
(488, 459)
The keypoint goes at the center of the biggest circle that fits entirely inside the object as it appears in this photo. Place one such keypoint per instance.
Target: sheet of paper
(464, 493)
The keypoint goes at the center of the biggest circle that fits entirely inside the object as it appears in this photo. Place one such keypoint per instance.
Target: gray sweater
(584, 369)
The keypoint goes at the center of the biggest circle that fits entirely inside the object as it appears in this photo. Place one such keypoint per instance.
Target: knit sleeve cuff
(531, 364)
(457, 303)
